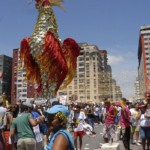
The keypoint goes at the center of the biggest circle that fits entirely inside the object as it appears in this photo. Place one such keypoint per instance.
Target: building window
(81, 80)
(81, 86)
(81, 64)
(70, 87)
(81, 75)
(88, 97)
(87, 75)
(19, 85)
(24, 90)
(81, 59)
(75, 87)
(24, 95)
(81, 69)
(81, 92)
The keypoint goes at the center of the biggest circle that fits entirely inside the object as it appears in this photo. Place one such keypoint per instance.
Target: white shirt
(134, 120)
(37, 133)
(71, 116)
(80, 117)
(96, 111)
(143, 121)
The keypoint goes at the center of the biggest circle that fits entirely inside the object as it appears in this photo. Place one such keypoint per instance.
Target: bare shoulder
(60, 143)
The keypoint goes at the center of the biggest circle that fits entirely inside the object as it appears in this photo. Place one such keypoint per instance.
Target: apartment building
(144, 60)
(5, 75)
(93, 76)
(20, 90)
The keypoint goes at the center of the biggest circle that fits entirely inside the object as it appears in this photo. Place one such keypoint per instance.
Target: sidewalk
(94, 143)
(118, 140)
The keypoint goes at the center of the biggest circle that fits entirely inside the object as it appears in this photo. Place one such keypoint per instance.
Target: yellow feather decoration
(57, 3)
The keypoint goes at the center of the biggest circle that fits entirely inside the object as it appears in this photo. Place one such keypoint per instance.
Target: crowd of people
(26, 126)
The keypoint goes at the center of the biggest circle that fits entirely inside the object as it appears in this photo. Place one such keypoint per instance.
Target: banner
(63, 99)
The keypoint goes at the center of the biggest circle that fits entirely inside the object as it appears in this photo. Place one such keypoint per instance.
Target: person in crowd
(144, 128)
(117, 119)
(79, 119)
(2, 117)
(12, 112)
(135, 121)
(102, 112)
(90, 115)
(109, 126)
(145, 123)
(96, 114)
(57, 123)
(36, 129)
(70, 117)
(19, 103)
(42, 125)
(22, 126)
(125, 124)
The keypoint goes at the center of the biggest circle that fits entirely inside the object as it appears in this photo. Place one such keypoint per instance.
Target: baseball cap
(57, 108)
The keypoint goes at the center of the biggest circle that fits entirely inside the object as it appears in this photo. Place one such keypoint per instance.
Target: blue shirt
(66, 134)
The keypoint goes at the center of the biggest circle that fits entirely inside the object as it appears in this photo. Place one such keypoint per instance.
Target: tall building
(137, 90)
(5, 75)
(20, 90)
(116, 91)
(93, 80)
(144, 60)
(106, 84)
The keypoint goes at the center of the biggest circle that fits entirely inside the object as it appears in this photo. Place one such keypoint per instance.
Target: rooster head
(40, 3)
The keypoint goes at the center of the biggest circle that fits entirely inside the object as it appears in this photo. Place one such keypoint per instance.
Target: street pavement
(94, 143)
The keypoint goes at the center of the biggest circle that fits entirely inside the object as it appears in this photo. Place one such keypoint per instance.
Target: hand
(146, 116)
(39, 119)
(106, 114)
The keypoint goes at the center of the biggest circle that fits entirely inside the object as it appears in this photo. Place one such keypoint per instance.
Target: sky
(112, 25)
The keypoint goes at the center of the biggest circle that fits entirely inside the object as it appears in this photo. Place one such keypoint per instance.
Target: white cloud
(115, 59)
(126, 79)
(124, 71)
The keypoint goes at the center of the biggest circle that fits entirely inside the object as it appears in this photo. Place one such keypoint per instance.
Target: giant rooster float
(49, 63)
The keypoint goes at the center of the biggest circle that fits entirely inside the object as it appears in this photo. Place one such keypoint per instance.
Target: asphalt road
(94, 143)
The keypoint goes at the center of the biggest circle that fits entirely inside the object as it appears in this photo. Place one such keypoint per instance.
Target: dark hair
(55, 103)
(77, 106)
(1, 103)
(25, 108)
(124, 99)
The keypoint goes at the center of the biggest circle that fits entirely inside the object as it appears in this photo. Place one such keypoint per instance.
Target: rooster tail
(27, 61)
(71, 51)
